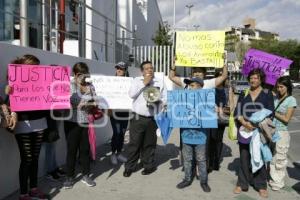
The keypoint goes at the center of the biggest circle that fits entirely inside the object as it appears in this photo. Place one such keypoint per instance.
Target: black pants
(77, 140)
(29, 147)
(214, 147)
(142, 142)
(245, 175)
(119, 129)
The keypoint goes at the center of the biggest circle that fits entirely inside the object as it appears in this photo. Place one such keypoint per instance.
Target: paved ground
(162, 184)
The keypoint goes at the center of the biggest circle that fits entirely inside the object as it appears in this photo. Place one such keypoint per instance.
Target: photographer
(76, 127)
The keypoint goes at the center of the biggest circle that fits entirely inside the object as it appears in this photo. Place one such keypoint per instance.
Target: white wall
(9, 154)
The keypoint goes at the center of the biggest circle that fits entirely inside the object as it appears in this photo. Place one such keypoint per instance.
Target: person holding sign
(76, 127)
(143, 127)
(29, 135)
(215, 136)
(194, 146)
(285, 108)
(257, 99)
(198, 72)
(119, 123)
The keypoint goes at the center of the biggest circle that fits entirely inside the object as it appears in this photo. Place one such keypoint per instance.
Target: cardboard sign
(113, 91)
(273, 66)
(192, 108)
(200, 48)
(39, 87)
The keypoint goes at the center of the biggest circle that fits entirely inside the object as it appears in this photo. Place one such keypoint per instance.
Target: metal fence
(161, 56)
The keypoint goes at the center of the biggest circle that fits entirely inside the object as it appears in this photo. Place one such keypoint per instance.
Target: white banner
(113, 91)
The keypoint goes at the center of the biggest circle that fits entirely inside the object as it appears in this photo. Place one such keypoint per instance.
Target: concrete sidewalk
(161, 185)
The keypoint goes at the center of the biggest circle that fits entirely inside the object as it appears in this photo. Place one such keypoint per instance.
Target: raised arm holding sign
(200, 48)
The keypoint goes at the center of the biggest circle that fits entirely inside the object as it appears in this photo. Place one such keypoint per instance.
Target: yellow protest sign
(200, 48)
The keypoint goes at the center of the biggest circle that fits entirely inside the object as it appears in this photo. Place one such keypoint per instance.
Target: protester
(285, 106)
(29, 135)
(119, 123)
(199, 72)
(195, 147)
(215, 135)
(76, 127)
(247, 105)
(143, 127)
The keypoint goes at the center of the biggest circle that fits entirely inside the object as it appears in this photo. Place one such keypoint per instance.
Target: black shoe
(183, 184)
(127, 173)
(53, 176)
(205, 187)
(60, 172)
(148, 171)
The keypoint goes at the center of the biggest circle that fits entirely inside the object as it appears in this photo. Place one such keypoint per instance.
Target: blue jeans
(188, 151)
(119, 128)
(50, 156)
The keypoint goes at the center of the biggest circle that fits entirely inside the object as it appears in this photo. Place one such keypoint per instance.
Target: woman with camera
(76, 127)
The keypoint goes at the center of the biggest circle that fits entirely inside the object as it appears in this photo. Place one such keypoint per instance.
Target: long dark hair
(286, 81)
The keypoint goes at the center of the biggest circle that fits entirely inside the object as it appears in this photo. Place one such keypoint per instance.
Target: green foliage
(163, 36)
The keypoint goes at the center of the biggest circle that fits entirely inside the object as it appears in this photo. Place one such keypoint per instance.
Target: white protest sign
(113, 91)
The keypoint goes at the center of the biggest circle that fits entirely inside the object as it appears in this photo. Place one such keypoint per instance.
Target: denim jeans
(119, 128)
(188, 151)
(50, 156)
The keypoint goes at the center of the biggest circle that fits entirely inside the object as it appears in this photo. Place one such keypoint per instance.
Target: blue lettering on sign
(192, 108)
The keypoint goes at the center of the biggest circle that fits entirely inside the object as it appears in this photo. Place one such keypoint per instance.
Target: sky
(279, 16)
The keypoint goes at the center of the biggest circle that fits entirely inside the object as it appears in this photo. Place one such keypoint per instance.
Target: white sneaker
(122, 158)
(113, 159)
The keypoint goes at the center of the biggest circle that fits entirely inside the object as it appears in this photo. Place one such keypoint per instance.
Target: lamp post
(196, 26)
(189, 7)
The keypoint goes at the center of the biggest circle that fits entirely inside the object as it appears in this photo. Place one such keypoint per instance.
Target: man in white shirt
(143, 126)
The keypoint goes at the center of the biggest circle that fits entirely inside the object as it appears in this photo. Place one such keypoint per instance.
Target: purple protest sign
(273, 66)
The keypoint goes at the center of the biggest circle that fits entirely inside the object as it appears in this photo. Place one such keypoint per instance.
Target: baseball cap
(194, 79)
(121, 65)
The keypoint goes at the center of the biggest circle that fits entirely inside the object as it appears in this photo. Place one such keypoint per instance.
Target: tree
(162, 35)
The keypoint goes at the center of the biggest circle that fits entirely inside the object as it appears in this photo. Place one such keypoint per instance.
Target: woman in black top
(257, 99)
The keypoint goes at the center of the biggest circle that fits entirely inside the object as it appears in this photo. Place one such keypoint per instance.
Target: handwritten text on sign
(37, 87)
(200, 48)
(113, 91)
(192, 108)
(273, 66)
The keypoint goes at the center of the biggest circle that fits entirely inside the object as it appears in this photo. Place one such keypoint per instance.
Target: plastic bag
(232, 129)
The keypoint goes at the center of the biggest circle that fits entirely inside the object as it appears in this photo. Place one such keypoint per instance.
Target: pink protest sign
(273, 66)
(39, 87)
